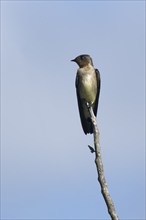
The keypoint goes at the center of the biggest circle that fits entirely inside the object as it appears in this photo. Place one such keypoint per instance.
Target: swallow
(87, 85)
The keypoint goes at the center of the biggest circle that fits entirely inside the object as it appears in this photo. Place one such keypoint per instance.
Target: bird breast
(87, 85)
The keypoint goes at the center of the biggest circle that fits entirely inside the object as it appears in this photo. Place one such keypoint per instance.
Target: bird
(87, 85)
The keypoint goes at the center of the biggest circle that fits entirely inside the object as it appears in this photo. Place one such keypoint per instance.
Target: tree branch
(100, 170)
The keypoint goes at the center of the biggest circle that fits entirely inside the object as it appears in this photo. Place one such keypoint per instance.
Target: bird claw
(88, 105)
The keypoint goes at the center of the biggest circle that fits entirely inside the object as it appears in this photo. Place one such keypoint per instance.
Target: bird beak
(73, 60)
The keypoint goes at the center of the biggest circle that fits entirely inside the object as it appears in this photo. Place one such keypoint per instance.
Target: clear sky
(47, 169)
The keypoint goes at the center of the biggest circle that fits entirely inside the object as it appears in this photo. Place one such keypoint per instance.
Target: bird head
(83, 60)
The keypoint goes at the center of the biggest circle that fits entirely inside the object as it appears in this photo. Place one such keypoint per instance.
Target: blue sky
(47, 171)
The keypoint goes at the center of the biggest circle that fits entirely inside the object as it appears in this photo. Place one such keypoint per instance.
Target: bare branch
(100, 170)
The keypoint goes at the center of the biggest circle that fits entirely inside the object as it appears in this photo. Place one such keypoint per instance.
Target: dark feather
(86, 124)
(98, 91)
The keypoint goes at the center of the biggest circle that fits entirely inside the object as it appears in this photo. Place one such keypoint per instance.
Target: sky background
(47, 170)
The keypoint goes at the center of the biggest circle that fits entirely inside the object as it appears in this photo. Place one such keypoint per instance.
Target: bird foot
(88, 105)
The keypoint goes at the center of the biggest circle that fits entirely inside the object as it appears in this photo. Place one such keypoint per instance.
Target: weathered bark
(100, 170)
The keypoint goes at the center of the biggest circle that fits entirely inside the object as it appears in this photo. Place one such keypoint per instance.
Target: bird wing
(86, 124)
(95, 107)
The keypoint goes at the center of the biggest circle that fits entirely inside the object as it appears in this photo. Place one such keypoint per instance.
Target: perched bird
(87, 89)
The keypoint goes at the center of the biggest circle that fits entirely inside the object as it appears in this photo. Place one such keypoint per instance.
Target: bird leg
(88, 105)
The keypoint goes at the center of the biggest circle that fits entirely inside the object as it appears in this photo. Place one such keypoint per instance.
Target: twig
(100, 170)
(91, 149)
